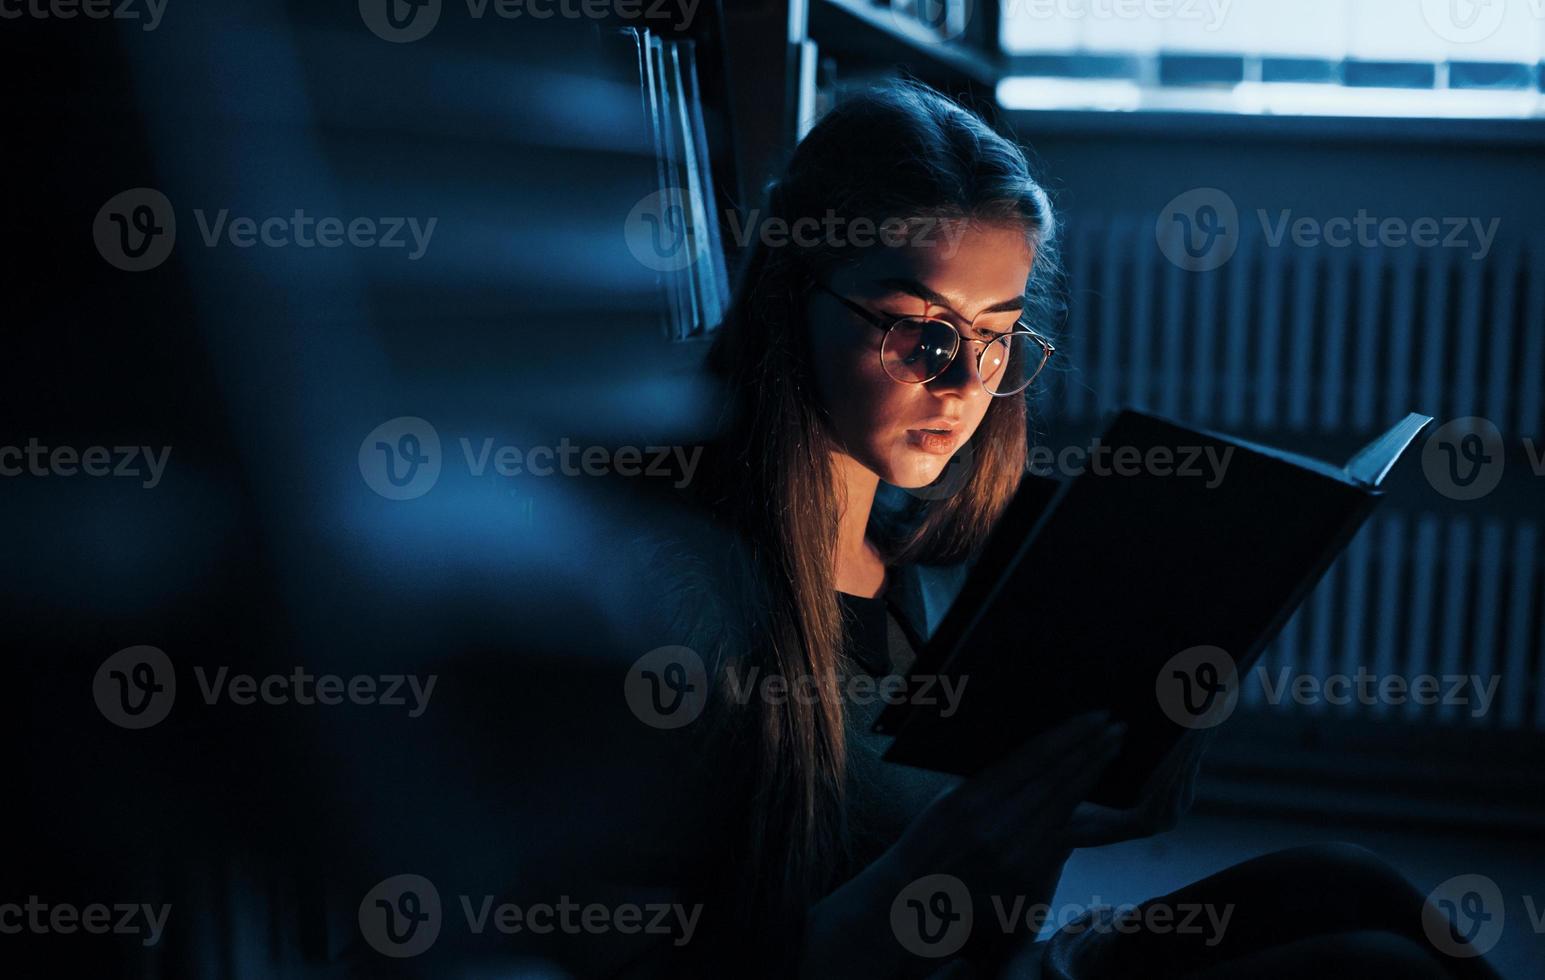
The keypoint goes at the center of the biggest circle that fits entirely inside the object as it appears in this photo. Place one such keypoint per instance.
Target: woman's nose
(963, 373)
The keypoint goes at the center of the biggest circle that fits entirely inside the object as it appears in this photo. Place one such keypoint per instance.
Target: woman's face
(972, 274)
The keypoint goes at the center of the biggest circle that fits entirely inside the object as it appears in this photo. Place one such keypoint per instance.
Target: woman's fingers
(1045, 811)
(1042, 803)
(1037, 755)
(1091, 825)
(1052, 799)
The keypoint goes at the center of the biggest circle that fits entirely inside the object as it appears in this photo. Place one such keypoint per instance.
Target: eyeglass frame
(888, 322)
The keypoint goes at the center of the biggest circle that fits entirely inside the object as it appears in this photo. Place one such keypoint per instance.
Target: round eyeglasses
(918, 349)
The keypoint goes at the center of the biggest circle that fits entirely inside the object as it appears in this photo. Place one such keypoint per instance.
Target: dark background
(528, 321)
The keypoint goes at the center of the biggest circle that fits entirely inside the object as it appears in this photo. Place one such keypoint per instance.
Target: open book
(1142, 586)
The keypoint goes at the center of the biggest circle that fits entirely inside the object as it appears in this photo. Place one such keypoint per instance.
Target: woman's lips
(937, 442)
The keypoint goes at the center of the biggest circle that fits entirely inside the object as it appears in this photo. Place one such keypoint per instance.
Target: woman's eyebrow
(914, 288)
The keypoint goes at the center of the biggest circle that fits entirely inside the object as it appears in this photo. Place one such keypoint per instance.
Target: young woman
(893, 330)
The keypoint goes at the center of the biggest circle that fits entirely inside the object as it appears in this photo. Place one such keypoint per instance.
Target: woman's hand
(1165, 799)
(1006, 827)
(1001, 831)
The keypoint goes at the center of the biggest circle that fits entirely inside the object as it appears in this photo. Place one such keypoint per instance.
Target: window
(1425, 58)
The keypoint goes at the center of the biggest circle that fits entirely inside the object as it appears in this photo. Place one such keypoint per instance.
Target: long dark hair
(903, 151)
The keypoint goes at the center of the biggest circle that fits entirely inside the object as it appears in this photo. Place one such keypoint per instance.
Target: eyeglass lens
(918, 350)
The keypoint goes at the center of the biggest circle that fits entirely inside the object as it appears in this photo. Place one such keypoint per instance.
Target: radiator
(1341, 342)
(1315, 339)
